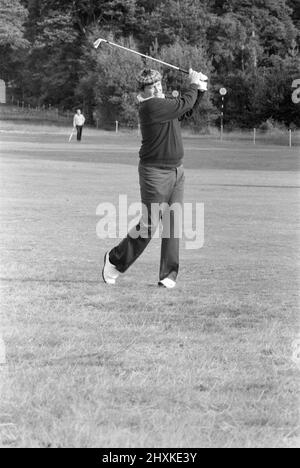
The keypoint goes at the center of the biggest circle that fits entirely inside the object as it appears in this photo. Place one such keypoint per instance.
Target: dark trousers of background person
(79, 132)
(157, 186)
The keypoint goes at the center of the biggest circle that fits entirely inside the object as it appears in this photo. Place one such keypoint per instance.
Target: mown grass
(207, 365)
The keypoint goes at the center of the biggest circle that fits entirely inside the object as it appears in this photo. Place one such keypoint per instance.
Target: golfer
(161, 175)
(78, 123)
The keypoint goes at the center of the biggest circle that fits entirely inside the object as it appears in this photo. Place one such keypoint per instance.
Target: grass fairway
(207, 365)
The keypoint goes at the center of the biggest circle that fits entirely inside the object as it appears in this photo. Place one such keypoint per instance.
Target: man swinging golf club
(161, 174)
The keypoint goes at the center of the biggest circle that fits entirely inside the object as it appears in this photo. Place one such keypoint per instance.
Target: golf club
(71, 136)
(99, 41)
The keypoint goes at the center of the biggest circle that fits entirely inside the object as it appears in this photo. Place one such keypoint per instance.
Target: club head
(97, 43)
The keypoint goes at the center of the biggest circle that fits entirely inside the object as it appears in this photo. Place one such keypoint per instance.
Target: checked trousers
(160, 187)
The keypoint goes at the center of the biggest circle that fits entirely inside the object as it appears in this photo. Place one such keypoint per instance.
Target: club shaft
(147, 57)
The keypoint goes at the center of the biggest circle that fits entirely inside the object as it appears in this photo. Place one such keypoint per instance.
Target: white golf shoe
(167, 283)
(109, 272)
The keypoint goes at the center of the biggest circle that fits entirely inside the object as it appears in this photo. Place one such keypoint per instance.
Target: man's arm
(171, 109)
(191, 113)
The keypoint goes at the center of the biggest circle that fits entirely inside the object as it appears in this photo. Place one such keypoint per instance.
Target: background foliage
(249, 46)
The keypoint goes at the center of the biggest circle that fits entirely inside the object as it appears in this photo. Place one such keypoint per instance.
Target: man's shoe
(167, 283)
(109, 272)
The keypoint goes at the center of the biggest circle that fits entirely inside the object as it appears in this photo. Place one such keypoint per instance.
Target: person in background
(78, 123)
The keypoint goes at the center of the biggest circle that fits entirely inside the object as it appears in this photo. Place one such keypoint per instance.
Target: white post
(290, 138)
(254, 136)
(117, 126)
(139, 129)
(222, 119)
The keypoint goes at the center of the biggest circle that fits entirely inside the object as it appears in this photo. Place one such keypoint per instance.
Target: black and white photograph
(149, 226)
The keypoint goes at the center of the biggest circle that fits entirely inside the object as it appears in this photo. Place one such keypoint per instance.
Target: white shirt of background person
(79, 119)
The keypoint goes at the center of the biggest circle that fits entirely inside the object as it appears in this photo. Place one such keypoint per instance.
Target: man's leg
(130, 248)
(155, 186)
(169, 264)
(79, 132)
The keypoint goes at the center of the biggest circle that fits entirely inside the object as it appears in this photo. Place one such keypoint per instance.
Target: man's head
(150, 83)
(78, 111)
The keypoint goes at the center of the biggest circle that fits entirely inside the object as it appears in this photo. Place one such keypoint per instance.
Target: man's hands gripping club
(199, 79)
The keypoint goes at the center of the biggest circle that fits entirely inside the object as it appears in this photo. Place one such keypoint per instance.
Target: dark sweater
(161, 134)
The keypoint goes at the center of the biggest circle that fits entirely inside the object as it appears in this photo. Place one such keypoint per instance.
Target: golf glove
(202, 77)
(202, 86)
(193, 76)
(199, 79)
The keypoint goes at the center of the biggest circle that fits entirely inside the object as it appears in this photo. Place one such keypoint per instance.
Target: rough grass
(207, 365)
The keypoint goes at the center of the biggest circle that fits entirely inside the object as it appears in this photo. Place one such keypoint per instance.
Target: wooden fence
(26, 112)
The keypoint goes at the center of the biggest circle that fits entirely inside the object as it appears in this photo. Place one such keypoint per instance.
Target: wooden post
(290, 138)
(117, 126)
(254, 136)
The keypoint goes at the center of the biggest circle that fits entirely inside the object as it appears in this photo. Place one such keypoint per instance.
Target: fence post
(290, 138)
(117, 126)
(254, 136)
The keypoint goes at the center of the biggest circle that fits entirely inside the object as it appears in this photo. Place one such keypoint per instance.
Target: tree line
(250, 47)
